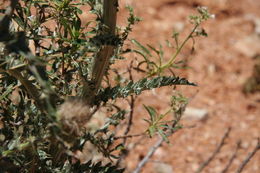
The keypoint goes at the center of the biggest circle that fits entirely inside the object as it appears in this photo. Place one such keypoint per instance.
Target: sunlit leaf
(151, 112)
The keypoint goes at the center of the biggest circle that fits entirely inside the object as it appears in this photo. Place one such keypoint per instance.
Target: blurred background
(226, 67)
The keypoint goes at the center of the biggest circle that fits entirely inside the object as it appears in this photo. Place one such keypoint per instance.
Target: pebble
(162, 168)
(195, 113)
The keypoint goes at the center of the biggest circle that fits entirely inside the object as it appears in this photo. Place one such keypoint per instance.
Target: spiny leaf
(139, 86)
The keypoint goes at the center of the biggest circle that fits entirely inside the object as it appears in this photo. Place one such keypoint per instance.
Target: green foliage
(156, 65)
(139, 86)
(44, 109)
(157, 122)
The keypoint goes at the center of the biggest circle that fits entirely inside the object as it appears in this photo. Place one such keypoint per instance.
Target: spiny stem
(101, 61)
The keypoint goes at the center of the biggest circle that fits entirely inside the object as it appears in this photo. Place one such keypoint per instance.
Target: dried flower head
(73, 115)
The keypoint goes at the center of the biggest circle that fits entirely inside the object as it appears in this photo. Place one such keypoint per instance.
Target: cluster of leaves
(156, 65)
(35, 83)
(164, 128)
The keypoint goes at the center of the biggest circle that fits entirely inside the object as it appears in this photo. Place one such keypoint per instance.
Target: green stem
(171, 61)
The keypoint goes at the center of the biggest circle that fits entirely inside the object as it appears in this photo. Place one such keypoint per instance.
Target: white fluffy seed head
(73, 115)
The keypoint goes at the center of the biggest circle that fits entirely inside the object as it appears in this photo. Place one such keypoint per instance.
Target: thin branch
(171, 131)
(128, 136)
(221, 144)
(132, 105)
(234, 155)
(153, 149)
(130, 120)
(249, 157)
(149, 155)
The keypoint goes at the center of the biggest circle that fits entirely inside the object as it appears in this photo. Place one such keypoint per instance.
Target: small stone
(245, 145)
(211, 69)
(162, 168)
(195, 114)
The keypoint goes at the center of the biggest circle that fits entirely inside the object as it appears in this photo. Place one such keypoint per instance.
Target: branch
(129, 136)
(132, 106)
(153, 149)
(131, 103)
(206, 163)
(232, 157)
(249, 157)
(149, 155)
(101, 61)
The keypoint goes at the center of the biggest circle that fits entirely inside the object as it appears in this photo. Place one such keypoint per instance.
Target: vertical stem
(109, 15)
(101, 61)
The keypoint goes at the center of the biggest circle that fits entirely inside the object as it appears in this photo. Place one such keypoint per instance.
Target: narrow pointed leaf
(151, 112)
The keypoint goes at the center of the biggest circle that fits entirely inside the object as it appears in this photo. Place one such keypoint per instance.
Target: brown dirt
(220, 66)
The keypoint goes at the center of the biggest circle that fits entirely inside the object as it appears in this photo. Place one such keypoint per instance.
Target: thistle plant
(56, 73)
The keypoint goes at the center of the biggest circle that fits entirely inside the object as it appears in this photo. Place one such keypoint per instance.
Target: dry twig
(128, 136)
(131, 104)
(249, 157)
(234, 155)
(130, 120)
(221, 144)
(148, 155)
